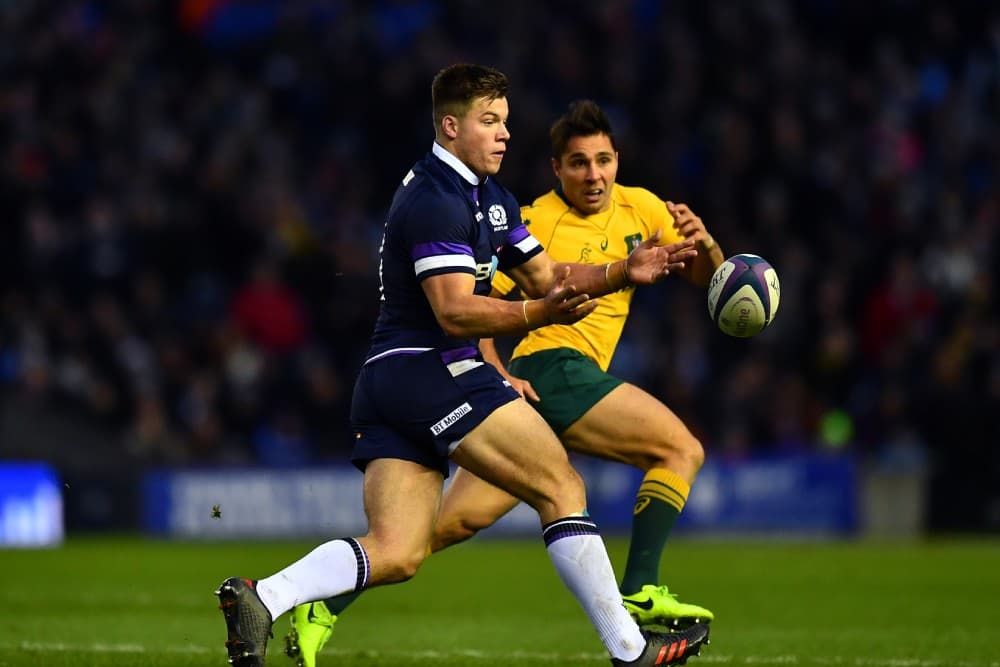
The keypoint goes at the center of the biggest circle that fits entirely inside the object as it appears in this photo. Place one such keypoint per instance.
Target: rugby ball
(743, 295)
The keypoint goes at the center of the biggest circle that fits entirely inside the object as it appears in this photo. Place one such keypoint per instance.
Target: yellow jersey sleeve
(502, 283)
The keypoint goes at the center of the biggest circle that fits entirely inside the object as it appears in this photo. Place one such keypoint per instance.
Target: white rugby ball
(743, 295)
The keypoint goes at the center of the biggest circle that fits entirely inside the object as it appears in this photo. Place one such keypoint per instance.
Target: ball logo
(739, 317)
(715, 286)
(498, 217)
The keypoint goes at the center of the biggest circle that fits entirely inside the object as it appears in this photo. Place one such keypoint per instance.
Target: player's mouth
(593, 195)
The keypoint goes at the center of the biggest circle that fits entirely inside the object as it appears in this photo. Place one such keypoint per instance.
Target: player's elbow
(453, 324)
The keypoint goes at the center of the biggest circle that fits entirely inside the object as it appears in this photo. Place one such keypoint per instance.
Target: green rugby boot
(312, 625)
(656, 605)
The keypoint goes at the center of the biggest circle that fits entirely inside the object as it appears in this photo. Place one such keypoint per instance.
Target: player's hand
(650, 263)
(523, 387)
(563, 305)
(689, 225)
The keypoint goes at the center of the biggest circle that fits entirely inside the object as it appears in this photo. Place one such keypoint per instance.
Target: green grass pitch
(131, 601)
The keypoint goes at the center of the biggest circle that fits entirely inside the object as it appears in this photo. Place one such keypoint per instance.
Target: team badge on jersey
(498, 217)
(633, 241)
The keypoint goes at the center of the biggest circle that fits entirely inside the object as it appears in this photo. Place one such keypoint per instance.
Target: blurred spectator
(268, 312)
(156, 154)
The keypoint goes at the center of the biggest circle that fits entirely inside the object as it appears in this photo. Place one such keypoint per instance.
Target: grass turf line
(131, 601)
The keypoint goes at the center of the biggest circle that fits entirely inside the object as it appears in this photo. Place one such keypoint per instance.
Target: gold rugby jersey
(634, 215)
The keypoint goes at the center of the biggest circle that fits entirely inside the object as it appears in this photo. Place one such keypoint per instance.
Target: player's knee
(679, 453)
(452, 531)
(400, 567)
(560, 490)
(694, 452)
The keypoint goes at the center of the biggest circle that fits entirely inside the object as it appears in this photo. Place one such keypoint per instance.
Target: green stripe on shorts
(568, 383)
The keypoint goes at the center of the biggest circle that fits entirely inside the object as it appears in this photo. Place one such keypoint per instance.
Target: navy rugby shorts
(418, 407)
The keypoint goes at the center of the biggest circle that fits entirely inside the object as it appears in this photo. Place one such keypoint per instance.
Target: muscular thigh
(515, 450)
(631, 426)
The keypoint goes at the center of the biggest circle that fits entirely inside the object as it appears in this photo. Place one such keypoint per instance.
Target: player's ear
(556, 165)
(449, 126)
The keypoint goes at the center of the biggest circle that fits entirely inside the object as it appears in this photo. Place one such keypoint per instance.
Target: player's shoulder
(500, 192)
(549, 203)
(636, 197)
(423, 186)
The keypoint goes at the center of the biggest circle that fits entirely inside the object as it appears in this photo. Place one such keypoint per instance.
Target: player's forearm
(704, 265)
(485, 317)
(596, 280)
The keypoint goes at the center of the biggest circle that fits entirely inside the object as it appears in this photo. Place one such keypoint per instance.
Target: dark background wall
(193, 195)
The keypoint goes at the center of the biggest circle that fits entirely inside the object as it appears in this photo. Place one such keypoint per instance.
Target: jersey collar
(452, 161)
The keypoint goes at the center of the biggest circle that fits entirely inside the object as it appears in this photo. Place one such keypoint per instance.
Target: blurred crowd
(194, 192)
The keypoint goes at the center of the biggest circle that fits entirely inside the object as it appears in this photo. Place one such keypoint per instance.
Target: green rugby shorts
(568, 383)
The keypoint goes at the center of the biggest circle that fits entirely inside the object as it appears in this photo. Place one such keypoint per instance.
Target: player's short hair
(456, 87)
(584, 118)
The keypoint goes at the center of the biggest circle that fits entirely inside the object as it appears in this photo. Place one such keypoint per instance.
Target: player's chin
(493, 163)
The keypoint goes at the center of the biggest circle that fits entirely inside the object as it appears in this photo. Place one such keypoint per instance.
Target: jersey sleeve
(660, 218)
(503, 283)
(521, 245)
(438, 238)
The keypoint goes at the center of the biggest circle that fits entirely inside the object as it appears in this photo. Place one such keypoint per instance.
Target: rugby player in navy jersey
(424, 395)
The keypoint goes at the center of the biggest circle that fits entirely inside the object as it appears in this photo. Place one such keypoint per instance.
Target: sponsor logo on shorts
(451, 418)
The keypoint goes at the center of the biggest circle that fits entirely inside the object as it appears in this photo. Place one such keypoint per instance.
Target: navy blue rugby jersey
(435, 226)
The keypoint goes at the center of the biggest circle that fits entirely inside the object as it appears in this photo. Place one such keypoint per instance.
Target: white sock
(581, 559)
(332, 568)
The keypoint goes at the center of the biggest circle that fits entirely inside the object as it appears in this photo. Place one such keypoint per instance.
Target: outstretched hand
(563, 305)
(689, 225)
(650, 263)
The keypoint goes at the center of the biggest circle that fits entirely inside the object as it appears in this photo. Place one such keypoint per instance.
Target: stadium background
(193, 195)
